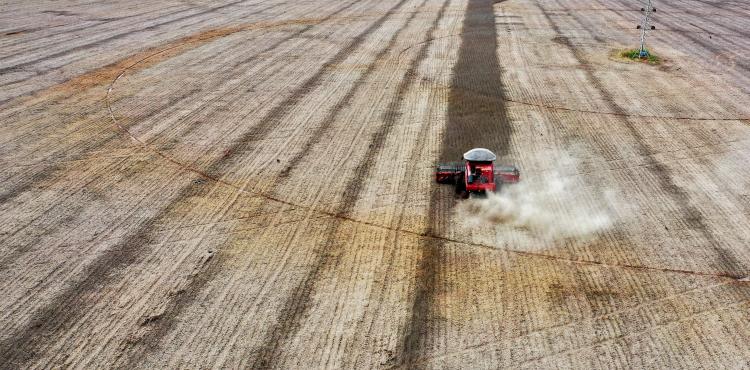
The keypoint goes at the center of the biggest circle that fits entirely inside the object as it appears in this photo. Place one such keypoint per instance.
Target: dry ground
(248, 183)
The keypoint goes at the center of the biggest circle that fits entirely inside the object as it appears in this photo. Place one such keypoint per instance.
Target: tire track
(721, 4)
(740, 63)
(1, 347)
(615, 114)
(402, 347)
(317, 135)
(118, 36)
(473, 121)
(94, 44)
(690, 214)
(47, 172)
(683, 7)
(604, 316)
(162, 327)
(272, 118)
(78, 29)
(175, 100)
(447, 239)
(19, 306)
(704, 43)
(296, 307)
(712, 48)
(19, 348)
(50, 171)
(241, 64)
(401, 350)
(297, 34)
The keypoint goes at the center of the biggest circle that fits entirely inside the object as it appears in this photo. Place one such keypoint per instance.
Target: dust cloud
(546, 205)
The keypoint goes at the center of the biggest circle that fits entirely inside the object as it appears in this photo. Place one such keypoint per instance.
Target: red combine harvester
(477, 173)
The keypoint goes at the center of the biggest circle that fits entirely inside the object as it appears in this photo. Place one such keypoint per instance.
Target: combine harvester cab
(476, 173)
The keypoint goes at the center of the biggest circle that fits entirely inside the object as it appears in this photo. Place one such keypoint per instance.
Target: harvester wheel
(461, 188)
(459, 185)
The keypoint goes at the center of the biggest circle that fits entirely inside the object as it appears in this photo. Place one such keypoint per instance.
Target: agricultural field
(250, 184)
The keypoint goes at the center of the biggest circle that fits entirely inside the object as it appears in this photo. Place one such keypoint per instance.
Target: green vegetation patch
(634, 55)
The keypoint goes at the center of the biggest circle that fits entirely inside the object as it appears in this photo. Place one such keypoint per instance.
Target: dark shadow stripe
(327, 122)
(113, 38)
(46, 172)
(21, 347)
(297, 304)
(163, 326)
(87, 46)
(687, 9)
(477, 117)
(689, 214)
(741, 60)
(274, 117)
(20, 81)
(83, 28)
(50, 172)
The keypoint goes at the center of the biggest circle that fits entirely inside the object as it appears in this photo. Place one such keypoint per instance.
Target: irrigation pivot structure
(643, 53)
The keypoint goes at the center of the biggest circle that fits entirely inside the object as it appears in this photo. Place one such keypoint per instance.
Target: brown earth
(249, 183)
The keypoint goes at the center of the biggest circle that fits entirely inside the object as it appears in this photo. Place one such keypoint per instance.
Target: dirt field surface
(249, 184)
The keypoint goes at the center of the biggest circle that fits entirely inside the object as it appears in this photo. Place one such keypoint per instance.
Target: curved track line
(631, 115)
(488, 343)
(340, 216)
(567, 109)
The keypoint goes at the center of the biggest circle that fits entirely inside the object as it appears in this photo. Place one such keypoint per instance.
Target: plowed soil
(249, 184)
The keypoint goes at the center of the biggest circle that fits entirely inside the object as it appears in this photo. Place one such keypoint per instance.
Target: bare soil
(248, 183)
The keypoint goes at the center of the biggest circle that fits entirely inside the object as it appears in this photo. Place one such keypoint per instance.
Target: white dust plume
(548, 204)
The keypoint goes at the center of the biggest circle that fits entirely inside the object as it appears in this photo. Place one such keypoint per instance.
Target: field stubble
(264, 196)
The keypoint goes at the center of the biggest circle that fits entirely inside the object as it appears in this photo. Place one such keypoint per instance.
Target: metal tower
(645, 26)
